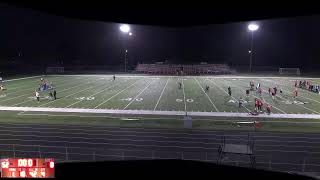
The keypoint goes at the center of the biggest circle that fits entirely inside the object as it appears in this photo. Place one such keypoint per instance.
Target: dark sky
(47, 38)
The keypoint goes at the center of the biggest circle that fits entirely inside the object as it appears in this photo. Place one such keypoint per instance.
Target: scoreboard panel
(27, 168)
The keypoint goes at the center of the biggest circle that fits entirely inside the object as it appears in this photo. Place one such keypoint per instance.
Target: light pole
(125, 29)
(252, 28)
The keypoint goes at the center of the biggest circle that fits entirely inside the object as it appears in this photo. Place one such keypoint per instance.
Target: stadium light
(125, 28)
(252, 28)
(130, 33)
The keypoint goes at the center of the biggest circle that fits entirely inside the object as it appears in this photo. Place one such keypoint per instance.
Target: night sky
(43, 38)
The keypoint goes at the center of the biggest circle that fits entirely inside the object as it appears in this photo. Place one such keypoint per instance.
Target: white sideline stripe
(50, 101)
(92, 94)
(155, 107)
(213, 76)
(151, 112)
(116, 95)
(227, 93)
(138, 95)
(207, 96)
(184, 96)
(22, 78)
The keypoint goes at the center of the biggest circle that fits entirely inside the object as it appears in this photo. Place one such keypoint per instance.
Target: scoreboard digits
(27, 167)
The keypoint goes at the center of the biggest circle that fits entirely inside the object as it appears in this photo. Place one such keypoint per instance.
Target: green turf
(162, 94)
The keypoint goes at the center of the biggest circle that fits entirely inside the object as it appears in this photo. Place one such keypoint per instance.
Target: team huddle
(45, 87)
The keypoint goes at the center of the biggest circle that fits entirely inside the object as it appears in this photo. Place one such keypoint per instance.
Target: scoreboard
(27, 168)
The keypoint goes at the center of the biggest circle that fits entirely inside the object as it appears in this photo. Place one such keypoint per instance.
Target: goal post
(55, 70)
(289, 71)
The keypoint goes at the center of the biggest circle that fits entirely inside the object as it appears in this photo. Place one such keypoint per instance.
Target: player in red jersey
(269, 108)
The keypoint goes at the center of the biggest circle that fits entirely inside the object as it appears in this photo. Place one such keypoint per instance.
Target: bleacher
(178, 69)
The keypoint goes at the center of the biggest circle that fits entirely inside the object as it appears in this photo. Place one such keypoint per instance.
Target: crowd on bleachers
(178, 69)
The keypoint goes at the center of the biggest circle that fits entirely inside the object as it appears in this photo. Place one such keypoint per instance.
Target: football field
(154, 96)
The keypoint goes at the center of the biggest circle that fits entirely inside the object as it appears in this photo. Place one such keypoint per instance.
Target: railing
(74, 154)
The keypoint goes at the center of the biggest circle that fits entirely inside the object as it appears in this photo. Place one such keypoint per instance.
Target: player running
(269, 109)
(247, 92)
(50, 95)
(256, 103)
(229, 91)
(260, 104)
(269, 90)
(179, 85)
(258, 86)
(54, 94)
(260, 91)
(275, 90)
(114, 77)
(251, 85)
(207, 88)
(240, 102)
(295, 83)
(37, 94)
(295, 93)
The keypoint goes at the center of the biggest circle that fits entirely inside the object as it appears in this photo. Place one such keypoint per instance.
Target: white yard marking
(92, 95)
(23, 78)
(184, 96)
(138, 95)
(155, 107)
(251, 94)
(69, 94)
(119, 92)
(227, 93)
(207, 95)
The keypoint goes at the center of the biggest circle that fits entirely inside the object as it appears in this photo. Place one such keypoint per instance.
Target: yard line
(115, 95)
(71, 94)
(161, 94)
(251, 94)
(93, 94)
(51, 101)
(227, 92)
(138, 95)
(207, 95)
(184, 96)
